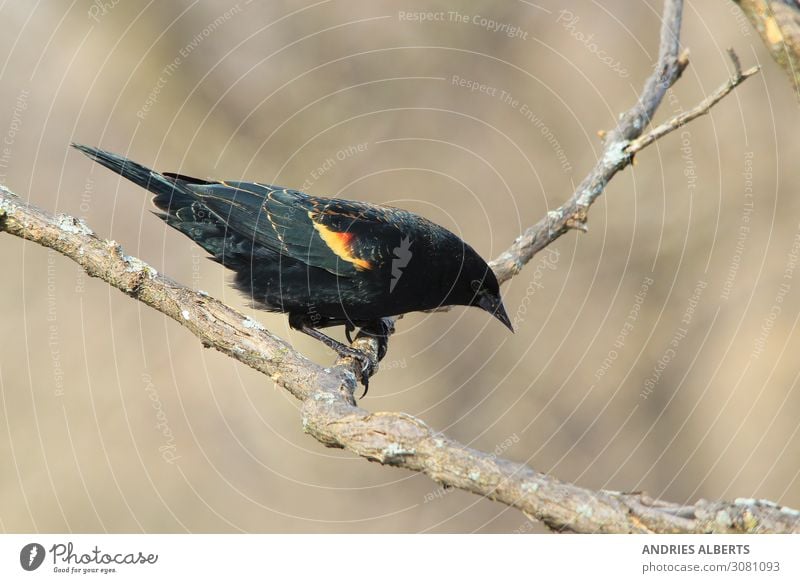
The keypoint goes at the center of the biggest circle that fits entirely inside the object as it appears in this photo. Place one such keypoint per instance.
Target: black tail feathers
(182, 209)
(169, 192)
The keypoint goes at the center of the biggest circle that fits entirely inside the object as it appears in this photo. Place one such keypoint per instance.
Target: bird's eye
(476, 285)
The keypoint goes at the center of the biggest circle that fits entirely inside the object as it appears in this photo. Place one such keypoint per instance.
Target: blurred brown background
(116, 419)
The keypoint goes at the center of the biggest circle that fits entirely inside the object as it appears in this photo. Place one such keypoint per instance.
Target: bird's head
(478, 287)
(486, 292)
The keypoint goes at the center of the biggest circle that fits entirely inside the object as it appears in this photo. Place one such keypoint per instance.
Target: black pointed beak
(494, 305)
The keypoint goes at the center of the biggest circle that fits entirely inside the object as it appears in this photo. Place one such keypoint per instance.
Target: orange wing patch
(340, 245)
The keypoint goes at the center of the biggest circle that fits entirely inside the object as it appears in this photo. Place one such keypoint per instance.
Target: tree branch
(329, 412)
(778, 23)
(701, 108)
(573, 213)
(398, 439)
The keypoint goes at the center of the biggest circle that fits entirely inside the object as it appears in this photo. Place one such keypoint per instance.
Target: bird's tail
(182, 209)
(168, 191)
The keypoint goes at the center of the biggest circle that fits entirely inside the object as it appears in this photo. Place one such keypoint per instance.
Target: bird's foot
(380, 331)
(367, 366)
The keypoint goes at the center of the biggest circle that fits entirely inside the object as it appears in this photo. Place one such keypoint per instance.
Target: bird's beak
(494, 305)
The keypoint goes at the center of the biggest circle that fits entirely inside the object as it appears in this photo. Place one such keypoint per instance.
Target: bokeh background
(657, 352)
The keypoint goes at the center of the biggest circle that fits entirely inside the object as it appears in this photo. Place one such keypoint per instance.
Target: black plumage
(323, 261)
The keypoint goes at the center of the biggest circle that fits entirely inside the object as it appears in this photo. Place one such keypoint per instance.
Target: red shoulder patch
(340, 244)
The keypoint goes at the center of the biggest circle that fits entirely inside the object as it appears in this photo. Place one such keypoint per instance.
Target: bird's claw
(367, 366)
(379, 330)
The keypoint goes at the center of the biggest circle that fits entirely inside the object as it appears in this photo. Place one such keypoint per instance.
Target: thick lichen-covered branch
(331, 416)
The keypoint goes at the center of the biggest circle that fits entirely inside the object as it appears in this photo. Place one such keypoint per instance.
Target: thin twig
(701, 108)
(573, 213)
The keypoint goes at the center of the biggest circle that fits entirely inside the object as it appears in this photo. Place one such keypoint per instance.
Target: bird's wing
(340, 236)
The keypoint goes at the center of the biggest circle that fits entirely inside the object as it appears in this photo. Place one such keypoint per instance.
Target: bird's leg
(368, 366)
(348, 330)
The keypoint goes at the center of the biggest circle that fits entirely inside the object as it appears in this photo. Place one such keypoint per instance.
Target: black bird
(324, 261)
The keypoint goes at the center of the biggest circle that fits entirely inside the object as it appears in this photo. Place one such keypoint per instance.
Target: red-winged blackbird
(324, 261)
